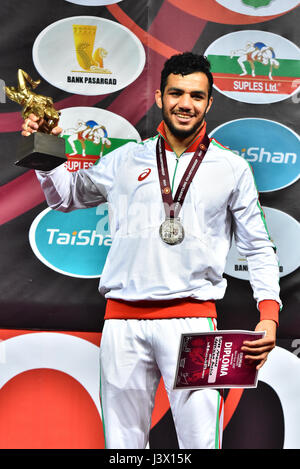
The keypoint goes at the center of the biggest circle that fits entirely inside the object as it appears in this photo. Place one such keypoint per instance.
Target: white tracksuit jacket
(222, 200)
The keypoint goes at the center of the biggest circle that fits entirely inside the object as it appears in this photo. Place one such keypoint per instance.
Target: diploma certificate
(215, 359)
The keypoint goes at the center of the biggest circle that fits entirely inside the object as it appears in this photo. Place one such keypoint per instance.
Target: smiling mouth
(183, 116)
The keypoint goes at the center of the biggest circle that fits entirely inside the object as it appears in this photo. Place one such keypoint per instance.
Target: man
(165, 267)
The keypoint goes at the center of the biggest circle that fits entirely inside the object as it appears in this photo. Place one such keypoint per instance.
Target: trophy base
(41, 151)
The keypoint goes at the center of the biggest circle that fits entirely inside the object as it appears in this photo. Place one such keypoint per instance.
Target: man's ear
(158, 99)
(209, 104)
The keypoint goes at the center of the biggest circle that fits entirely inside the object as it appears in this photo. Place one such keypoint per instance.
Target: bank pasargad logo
(264, 68)
(91, 133)
(88, 55)
(75, 244)
(271, 149)
(90, 60)
(259, 7)
(286, 241)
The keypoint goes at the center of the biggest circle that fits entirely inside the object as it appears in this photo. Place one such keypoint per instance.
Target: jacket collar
(193, 146)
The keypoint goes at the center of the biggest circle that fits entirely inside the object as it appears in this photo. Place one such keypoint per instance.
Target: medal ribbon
(176, 204)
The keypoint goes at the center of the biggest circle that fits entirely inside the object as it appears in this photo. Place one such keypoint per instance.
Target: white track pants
(134, 354)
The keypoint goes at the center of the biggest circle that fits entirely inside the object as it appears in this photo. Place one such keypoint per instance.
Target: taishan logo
(262, 155)
(263, 69)
(77, 238)
(271, 149)
(74, 244)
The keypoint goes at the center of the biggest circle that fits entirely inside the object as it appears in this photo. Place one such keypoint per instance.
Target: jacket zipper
(177, 160)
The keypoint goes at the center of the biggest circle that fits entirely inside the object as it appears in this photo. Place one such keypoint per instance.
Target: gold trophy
(40, 150)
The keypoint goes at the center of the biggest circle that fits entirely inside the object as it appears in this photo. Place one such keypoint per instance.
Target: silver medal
(171, 231)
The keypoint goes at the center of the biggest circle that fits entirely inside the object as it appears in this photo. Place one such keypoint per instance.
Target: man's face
(184, 103)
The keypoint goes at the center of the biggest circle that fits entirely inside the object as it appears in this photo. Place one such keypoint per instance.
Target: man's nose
(185, 101)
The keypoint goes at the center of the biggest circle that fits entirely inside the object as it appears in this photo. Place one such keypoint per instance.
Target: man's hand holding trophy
(42, 149)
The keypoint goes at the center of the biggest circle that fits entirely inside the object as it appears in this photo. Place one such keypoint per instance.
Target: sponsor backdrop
(100, 61)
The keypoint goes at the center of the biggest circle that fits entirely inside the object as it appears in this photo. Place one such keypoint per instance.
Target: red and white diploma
(215, 359)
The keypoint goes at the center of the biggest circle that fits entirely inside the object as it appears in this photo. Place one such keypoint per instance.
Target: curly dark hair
(185, 64)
